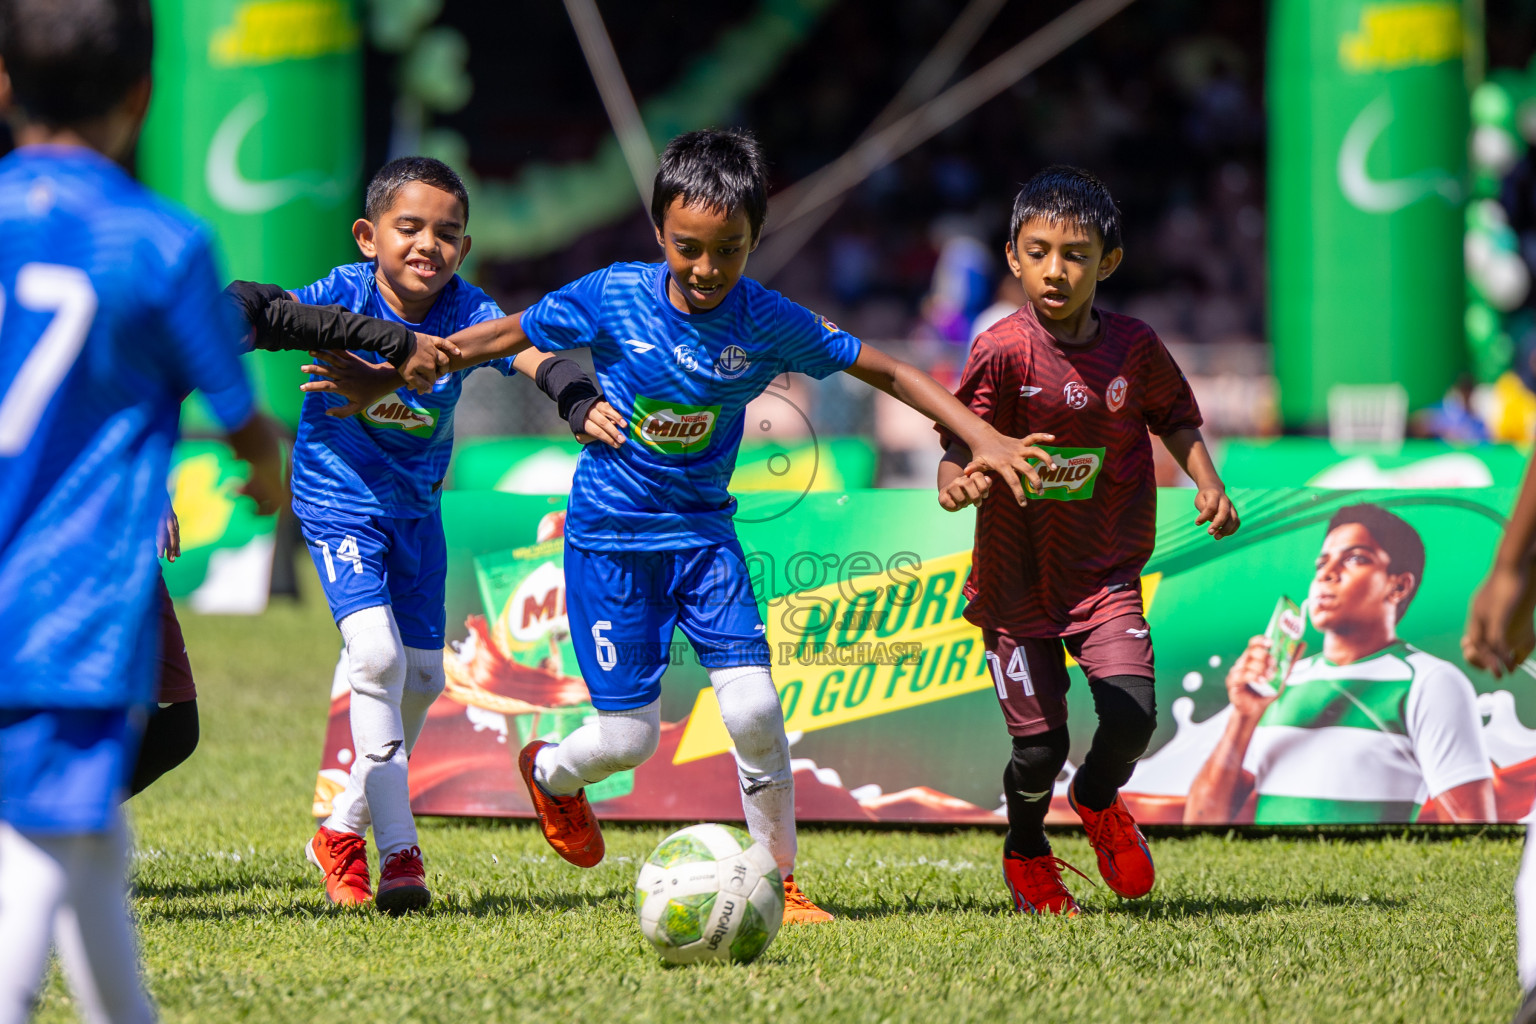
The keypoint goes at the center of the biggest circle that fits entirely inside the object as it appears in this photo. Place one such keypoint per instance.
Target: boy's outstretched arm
(1188, 449)
(279, 323)
(581, 405)
(1009, 457)
(1499, 634)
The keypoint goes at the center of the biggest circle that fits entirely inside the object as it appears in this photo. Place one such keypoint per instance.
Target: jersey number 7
(66, 292)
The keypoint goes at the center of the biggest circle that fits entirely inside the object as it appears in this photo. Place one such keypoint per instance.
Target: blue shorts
(623, 605)
(63, 771)
(367, 561)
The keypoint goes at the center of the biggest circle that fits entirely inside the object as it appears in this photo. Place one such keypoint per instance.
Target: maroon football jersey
(1071, 558)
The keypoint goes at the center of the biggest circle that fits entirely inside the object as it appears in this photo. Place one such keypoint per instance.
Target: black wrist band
(573, 391)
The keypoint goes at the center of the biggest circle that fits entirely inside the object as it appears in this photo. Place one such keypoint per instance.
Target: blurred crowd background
(1166, 101)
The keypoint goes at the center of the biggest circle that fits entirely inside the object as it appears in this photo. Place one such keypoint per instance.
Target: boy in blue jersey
(680, 350)
(366, 490)
(110, 312)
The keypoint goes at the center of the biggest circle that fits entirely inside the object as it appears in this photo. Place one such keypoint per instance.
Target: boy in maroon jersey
(1063, 572)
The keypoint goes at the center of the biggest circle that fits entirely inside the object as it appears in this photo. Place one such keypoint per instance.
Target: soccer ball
(709, 893)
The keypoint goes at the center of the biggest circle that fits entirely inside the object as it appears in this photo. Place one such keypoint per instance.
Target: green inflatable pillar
(256, 125)
(1367, 169)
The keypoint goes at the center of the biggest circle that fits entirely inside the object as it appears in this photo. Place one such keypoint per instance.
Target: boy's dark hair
(1062, 194)
(400, 172)
(718, 170)
(74, 60)
(1401, 542)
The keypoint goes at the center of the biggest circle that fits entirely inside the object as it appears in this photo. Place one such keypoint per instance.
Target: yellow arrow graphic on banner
(865, 647)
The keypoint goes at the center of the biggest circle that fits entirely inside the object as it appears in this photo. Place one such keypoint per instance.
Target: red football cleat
(1124, 860)
(1036, 887)
(568, 822)
(343, 858)
(798, 908)
(403, 882)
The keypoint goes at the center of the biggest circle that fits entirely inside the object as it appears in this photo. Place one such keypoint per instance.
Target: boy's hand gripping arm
(990, 452)
(277, 323)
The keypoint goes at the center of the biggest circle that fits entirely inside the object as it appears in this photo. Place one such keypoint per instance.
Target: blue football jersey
(110, 313)
(390, 459)
(684, 381)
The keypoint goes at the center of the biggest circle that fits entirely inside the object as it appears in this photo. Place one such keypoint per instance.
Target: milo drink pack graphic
(1071, 473)
(673, 428)
(1286, 627)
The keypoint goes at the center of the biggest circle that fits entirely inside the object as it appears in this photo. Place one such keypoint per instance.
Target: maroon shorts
(175, 671)
(1030, 674)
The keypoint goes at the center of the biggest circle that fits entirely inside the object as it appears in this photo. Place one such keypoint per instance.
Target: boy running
(110, 312)
(681, 348)
(366, 492)
(1062, 573)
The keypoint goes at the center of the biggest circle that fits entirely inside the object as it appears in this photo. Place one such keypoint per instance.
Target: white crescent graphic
(1372, 196)
(237, 193)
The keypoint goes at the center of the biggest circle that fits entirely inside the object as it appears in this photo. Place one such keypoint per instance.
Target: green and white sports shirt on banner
(1366, 742)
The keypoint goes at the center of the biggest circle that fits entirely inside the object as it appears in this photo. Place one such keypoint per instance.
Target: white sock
(613, 742)
(74, 889)
(349, 808)
(376, 673)
(749, 704)
(1525, 911)
(424, 682)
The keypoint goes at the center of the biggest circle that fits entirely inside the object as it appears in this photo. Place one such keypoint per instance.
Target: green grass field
(1414, 927)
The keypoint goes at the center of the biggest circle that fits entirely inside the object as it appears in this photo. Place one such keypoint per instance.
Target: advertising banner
(890, 706)
(1413, 465)
(256, 126)
(545, 465)
(225, 565)
(1367, 178)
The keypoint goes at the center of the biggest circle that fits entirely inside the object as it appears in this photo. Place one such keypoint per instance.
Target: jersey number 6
(607, 654)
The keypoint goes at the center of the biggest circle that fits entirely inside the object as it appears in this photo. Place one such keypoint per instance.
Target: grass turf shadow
(275, 900)
(1151, 906)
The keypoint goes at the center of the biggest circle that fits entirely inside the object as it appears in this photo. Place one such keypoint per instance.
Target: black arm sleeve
(294, 325)
(251, 299)
(573, 391)
(283, 325)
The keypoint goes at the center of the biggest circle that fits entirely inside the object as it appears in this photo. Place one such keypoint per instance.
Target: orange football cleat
(343, 858)
(1036, 887)
(1124, 860)
(403, 882)
(568, 822)
(798, 908)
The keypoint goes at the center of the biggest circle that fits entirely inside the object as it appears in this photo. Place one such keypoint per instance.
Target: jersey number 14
(1018, 671)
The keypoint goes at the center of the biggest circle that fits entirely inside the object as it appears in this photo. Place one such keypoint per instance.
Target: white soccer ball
(709, 892)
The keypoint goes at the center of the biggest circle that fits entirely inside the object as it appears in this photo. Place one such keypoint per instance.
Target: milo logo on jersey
(673, 428)
(1071, 473)
(392, 413)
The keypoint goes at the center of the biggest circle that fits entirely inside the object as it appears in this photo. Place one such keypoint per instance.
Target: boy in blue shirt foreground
(110, 312)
